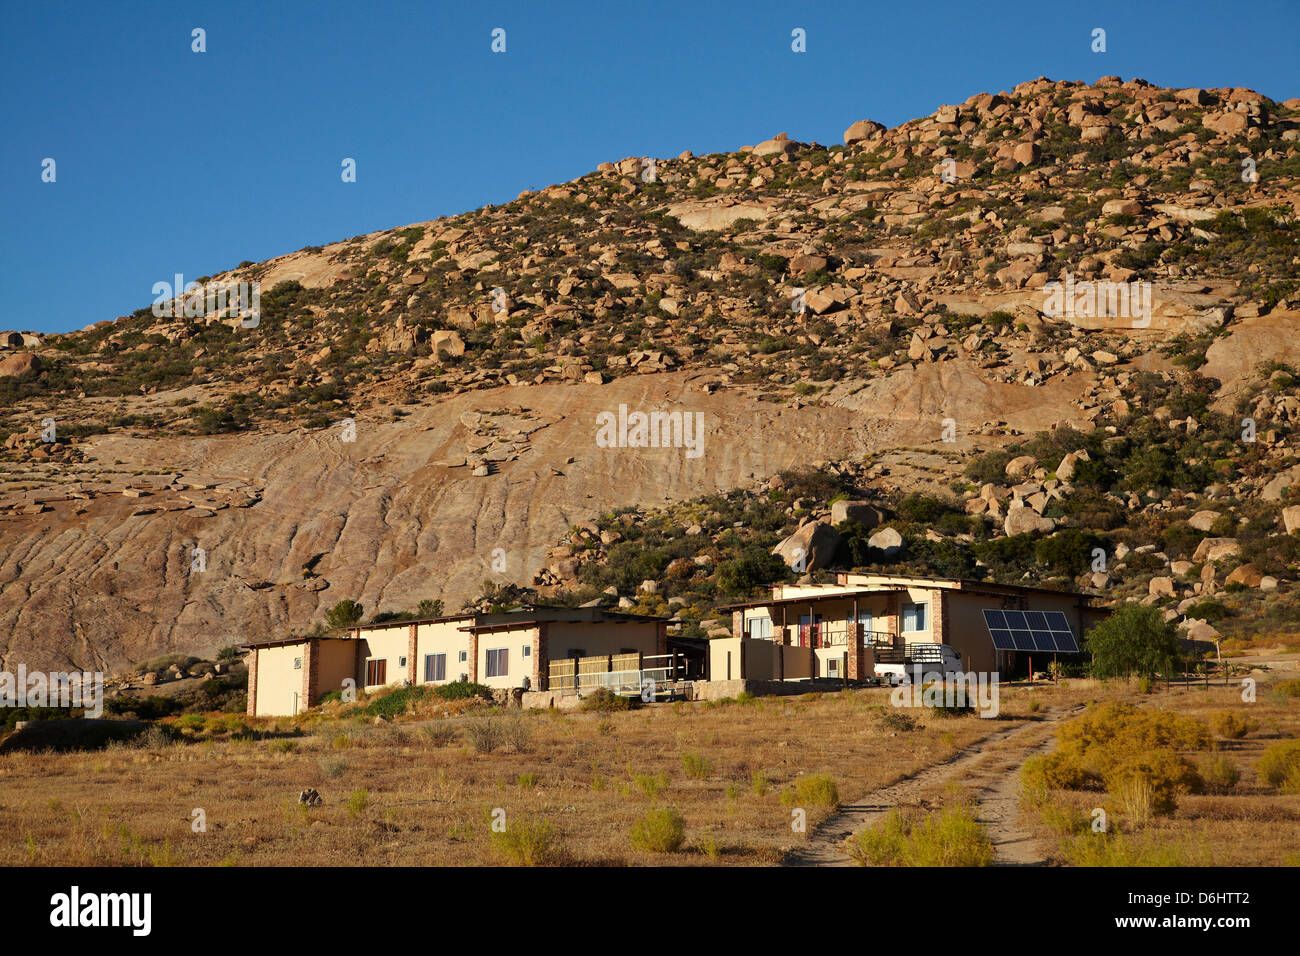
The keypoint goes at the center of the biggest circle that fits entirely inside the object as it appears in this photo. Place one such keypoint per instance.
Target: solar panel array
(1031, 631)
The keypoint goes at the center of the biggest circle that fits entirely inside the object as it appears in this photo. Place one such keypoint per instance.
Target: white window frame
(924, 608)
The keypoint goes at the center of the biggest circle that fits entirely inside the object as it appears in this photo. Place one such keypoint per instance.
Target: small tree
(344, 614)
(1133, 640)
(429, 608)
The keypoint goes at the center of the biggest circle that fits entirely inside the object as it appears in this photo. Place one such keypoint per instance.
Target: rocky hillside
(414, 411)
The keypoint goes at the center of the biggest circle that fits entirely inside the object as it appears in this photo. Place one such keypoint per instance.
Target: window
(497, 662)
(833, 667)
(464, 656)
(914, 617)
(528, 650)
(435, 667)
(401, 662)
(376, 672)
(297, 663)
(760, 628)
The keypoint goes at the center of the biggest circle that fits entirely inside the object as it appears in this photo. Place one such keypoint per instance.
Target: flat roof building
(505, 649)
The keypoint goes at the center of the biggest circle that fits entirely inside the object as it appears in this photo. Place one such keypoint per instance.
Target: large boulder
(1198, 630)
(1161, 587)
(862, 130)
(1291, 519)
(1216, 549)
(812, 546)
(1019, 467)
(714, 215)
(778, 145)
(887, 541)
(19, 364)
(1246, 574)
(448, 343)
(1279, 486)
(1021, 519)
(1065, 470)
(1204, 520)
(859, 512)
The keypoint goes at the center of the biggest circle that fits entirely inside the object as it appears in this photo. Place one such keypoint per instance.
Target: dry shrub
(659, 831)
(1228, 725)
(1219, 773)
(951, 837)
(1132, 753)
(440, 733)
(1115, 849)
(492, 731)
(603, 701)
(697, 767)
(813, 790)
(527, 843)
(1288, 688)
(1280, 766)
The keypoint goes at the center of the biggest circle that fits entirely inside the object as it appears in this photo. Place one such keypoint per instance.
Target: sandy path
(989, 767)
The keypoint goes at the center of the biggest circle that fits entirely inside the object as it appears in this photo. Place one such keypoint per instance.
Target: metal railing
(836, 634)
(656, 668)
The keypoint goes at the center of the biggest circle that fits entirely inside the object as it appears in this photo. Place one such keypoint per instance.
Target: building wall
(766, 660)
(724, 658)
(389, 643)
(824, 655)
(279, 683)
(443, 637)
(601, 637)
(969, 636)
(518, 667)
(338, 659)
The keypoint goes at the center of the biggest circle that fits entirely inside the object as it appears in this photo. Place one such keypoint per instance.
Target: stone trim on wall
(542, 657)
(412, 672)
(310, 674)
(252, 682)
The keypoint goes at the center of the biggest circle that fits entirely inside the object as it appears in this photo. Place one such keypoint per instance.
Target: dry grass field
(1240, 818)
(571, 787)
(400, 793)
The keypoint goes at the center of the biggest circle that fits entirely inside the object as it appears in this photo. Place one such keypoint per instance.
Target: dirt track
(987, 767)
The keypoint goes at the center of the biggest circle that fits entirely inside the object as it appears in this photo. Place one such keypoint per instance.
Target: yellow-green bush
(1115, 849)
(1131, 753)
(813, 790)
(1230, 726)
(1288, 688)
(1280, 766)
(951, 837)
(1219, 773)
(659, 831)
(527, 843)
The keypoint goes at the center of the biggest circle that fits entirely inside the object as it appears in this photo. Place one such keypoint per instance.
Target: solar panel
(1065, 642)
(1056, 621)
(1030, 631)
(1002, 639)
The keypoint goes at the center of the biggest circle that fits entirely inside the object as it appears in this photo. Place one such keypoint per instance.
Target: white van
(923, 658)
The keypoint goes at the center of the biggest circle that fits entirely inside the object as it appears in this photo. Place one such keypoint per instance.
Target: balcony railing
(836, 634)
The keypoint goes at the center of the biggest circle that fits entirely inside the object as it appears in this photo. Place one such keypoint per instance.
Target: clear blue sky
(172, 161)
